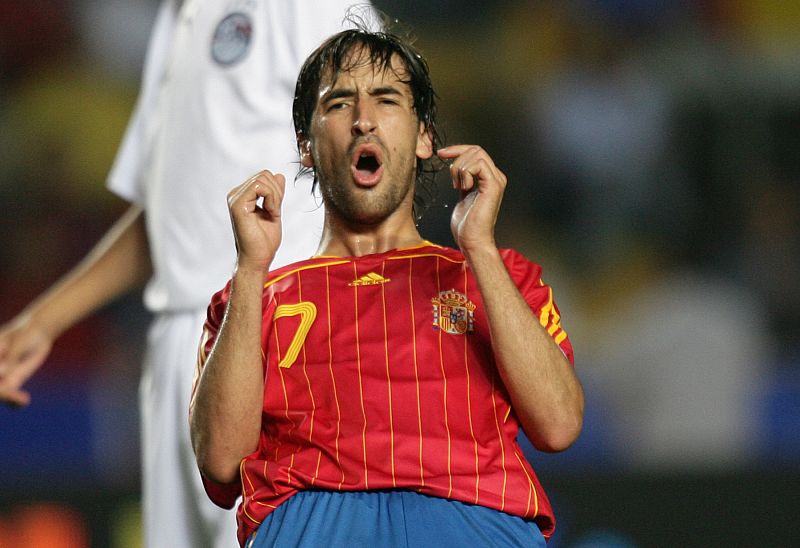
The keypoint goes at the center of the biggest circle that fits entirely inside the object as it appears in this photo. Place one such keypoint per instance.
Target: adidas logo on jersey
(369, 279)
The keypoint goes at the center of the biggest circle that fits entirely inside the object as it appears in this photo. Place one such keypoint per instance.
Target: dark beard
(371, 208)
(365, 207)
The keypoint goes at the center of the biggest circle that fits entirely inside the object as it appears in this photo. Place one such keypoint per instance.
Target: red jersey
(379, 374)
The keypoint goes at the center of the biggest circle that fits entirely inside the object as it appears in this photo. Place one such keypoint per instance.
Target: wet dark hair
(378, 49)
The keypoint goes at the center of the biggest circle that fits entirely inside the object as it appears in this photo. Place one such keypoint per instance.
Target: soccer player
(215, 104)
(372, 395)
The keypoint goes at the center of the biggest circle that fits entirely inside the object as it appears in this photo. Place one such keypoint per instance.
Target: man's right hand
(24, 345)
(257, 229)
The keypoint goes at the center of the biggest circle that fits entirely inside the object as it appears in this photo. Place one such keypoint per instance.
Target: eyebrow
(343, 93)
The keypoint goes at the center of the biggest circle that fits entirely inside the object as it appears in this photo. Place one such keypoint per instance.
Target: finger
(239, 191)
(273, 196)
(15, 397)
(492, 168)
(483, 170)
(468, 179)
(460, 171)
(269, 182)
(11, 391)
(454, 151)
(471, 170)
(271, 189)
(458, 176)
(235, 196)
(244, 198)
(468, 154)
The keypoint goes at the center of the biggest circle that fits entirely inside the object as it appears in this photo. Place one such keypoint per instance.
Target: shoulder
(216, 308)
(518, 265)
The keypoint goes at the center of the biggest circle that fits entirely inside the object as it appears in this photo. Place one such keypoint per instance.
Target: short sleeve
(125, 178)
(528, 278)
(223, 495)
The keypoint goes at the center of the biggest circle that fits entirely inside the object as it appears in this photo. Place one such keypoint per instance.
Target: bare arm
(119, 262)
(225, 412)
(545, 391)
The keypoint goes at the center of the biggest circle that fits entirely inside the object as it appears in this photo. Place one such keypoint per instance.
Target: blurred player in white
(214, 108)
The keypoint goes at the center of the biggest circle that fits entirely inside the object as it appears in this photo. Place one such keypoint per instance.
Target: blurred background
(653, 155)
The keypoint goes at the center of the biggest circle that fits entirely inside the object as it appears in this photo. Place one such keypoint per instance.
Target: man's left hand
(482, 186)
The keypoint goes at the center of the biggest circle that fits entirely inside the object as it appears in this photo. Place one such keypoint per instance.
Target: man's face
(365, 139)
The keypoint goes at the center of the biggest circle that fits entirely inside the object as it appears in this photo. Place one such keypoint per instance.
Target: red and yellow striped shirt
(379, 374)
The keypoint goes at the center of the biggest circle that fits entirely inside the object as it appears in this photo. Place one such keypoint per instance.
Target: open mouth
(367, 164)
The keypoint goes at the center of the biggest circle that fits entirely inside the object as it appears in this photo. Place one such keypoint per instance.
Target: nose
(363, 119)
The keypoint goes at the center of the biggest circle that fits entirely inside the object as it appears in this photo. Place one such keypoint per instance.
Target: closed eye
(387, 95)
(337, 106)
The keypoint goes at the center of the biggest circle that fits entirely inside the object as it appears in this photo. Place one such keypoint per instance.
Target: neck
(343, 239)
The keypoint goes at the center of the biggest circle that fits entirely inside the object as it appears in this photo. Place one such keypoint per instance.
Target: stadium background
(653, 153)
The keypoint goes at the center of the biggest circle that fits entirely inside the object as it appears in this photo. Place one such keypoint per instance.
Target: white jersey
(214, 109)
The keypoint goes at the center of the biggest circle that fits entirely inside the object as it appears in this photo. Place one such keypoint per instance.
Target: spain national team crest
(453, 312)
(231, 39)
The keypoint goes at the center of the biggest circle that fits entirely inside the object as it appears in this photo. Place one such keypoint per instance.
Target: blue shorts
(389, 519)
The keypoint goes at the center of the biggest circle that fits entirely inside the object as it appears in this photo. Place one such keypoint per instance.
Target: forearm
(225, 417)
(119, 262)
(545, 392)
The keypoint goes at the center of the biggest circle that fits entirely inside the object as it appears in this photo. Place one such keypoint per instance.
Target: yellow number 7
(308, 313)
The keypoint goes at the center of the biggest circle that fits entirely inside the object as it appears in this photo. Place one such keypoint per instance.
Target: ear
(304, 145)
(424, 143)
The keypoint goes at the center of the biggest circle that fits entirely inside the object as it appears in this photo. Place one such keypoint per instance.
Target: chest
(408, 314)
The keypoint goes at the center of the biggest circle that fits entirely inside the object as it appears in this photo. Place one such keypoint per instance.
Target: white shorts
(176, 511)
